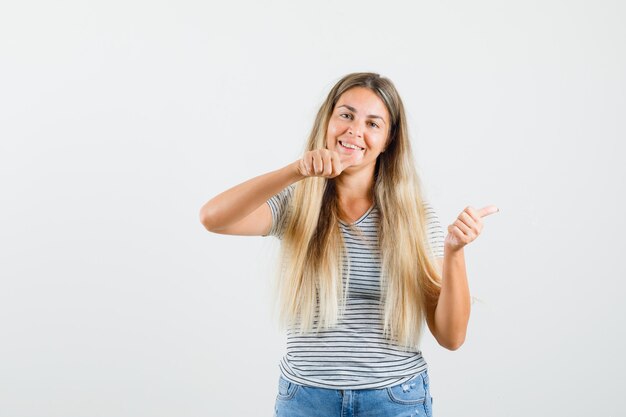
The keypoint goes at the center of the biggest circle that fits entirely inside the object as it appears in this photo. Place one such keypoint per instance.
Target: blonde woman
(364, 262)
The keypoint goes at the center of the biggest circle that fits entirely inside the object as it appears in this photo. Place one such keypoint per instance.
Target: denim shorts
(411, 398)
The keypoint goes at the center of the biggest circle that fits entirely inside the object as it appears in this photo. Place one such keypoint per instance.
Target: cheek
(332, 130)
(332, 133)
(330, 137)
(385, 139)
(377, 141)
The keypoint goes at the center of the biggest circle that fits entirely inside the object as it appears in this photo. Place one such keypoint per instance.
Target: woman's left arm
(448, 317)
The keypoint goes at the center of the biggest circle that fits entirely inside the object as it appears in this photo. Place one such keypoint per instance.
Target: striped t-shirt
(354, 354)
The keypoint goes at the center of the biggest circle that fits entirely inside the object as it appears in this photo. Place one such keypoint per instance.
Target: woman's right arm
(241, 210)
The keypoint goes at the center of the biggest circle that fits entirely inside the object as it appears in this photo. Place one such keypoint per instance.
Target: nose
(354, 129)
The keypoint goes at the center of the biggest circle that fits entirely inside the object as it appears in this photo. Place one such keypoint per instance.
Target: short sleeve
(278, 206)
(434, 231)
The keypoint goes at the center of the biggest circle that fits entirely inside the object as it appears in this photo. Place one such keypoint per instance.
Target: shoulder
(429, 211)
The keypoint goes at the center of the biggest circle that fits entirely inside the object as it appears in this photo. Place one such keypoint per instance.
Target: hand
(467, 227)
(326, 163)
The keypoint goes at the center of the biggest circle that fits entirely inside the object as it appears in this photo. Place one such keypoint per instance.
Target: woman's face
(360, 118)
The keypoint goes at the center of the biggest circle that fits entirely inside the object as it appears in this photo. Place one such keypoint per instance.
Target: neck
(354, 186)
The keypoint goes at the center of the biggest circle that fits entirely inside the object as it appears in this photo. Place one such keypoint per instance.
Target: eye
(374, 125)
(346, 115)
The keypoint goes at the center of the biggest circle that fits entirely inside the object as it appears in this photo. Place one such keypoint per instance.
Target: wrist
(294, 171)
(451, 251)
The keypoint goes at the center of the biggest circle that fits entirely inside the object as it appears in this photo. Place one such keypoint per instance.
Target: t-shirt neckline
(360, 219)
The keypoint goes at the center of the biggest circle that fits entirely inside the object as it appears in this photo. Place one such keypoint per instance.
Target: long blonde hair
(310, 286)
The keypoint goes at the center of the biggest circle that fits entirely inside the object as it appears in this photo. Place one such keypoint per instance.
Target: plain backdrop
(120, 119)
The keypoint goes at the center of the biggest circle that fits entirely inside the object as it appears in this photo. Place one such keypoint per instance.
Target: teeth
(347, 145)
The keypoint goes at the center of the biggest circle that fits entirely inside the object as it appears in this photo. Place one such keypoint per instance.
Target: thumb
(347, 160)
(486, 211)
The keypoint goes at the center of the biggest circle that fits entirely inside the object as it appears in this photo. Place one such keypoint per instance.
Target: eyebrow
(352, 109)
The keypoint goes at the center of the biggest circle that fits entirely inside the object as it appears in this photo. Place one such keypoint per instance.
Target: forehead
(364, 101)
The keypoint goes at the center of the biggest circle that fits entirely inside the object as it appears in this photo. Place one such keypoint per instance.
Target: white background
(119, 119)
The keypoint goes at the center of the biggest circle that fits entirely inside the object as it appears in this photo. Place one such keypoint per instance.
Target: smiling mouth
(349, 146)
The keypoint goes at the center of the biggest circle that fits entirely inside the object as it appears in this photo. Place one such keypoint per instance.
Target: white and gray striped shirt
(354, 354)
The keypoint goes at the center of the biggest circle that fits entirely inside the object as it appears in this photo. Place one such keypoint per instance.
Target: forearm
(453, 308)
(237, 202)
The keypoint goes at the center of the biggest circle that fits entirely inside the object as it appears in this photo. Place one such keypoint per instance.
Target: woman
(364, 262)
